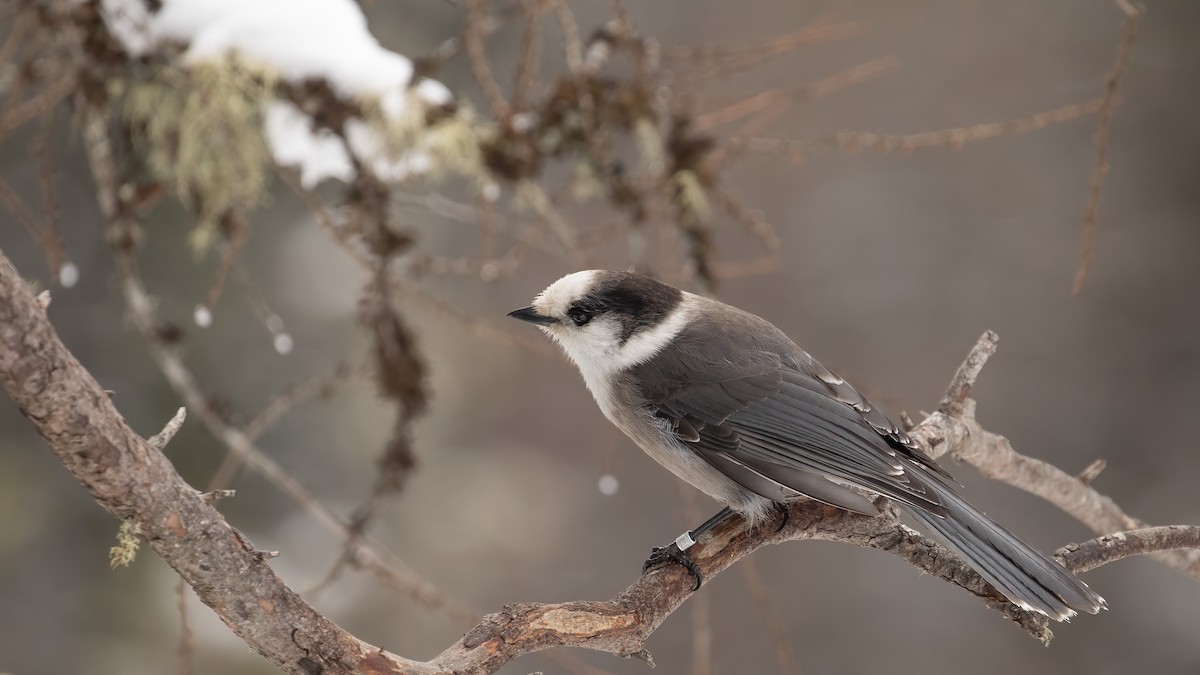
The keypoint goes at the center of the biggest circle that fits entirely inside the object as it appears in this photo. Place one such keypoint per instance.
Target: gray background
(893, 265)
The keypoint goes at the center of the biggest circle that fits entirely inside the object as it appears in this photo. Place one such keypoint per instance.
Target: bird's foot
(671, 553)
(785, 514)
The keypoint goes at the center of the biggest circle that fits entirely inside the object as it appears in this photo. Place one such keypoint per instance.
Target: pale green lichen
(690, 195)
(127, 546)
(1045, 636)
(199, 129)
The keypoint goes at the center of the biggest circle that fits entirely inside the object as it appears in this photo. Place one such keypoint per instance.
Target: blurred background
(891, 266)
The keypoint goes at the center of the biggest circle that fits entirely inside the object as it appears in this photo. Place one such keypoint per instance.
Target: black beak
(530, 314)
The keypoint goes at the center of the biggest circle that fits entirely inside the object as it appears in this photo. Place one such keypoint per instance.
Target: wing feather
(769, 415)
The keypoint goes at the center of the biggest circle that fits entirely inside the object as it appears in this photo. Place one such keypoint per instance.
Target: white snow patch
(317, 153)
(299, 40)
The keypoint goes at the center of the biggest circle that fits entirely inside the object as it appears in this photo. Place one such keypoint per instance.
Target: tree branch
(964, 378)
(1133, 16)
(995, 458)
(953, 429)
(1148, 540)
(132, 480)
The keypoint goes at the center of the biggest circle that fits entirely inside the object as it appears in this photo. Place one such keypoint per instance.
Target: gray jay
(724, 400)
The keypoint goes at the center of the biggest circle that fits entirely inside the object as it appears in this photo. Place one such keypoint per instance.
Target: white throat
(600, 356)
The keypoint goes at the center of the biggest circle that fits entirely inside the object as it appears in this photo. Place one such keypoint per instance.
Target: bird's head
(607, 321)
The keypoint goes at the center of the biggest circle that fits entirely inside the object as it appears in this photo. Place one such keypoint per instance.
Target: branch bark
(1149, 540)
(134, 481)
(954, 430)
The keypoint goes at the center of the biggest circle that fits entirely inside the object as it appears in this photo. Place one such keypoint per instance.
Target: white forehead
(558, 295)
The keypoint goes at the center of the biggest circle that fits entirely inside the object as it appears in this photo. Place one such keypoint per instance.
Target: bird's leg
(674, 552)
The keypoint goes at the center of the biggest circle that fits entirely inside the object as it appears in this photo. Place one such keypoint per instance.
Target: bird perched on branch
(724, 400)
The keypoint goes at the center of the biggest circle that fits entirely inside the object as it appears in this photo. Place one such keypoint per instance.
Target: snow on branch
(297, 42)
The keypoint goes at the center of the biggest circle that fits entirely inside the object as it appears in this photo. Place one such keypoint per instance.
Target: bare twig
(396, 575)
(1112, 547)
(324, 216)
(287, 400)
(856, 141)
(23, 23)
(477, 21)
(525, 78)
(42, 150)
(824, 29)
(1092, 471)
(752, 219)
(315, 387)
(716, 62)
(1133, 15)
(236, 229)
(964, 378)
(38, 105)
(11, 200)
(817, 90)
(539, 202)
(473, 324)
(572, 44)
(163, 437)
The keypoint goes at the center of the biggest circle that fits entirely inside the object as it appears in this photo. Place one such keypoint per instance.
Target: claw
(662, 555)
(785, 515)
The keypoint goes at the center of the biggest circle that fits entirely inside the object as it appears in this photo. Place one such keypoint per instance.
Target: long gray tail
(1024, 575)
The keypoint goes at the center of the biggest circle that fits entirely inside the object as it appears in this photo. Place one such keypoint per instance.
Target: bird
(727, 402)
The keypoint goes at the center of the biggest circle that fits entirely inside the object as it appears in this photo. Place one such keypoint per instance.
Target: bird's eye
(579, 315)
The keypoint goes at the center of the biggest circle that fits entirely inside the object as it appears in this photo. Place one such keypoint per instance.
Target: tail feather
(1024, 575)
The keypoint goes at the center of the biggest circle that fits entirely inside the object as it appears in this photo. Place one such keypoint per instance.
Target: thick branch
(621, 625)
(132, 480)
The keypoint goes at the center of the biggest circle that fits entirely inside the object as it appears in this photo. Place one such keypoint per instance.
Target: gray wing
(766, 414)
